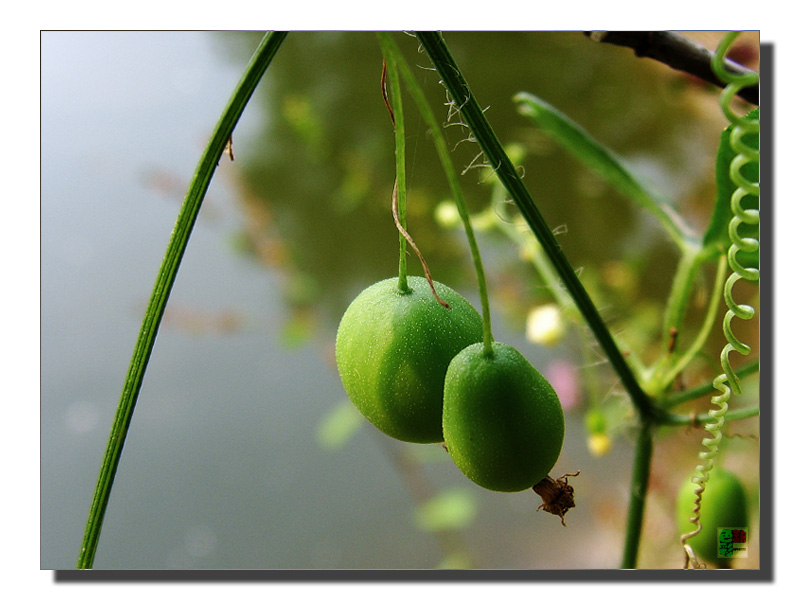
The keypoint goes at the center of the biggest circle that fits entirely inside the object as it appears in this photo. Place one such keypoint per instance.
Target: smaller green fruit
(723, 504)
(393, 349)
(503, 423)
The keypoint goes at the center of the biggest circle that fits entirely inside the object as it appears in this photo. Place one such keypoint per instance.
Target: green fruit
(723, 504)
(393, 349)
(503, 423)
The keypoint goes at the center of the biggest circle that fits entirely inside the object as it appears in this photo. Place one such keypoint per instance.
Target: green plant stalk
(391, 49)
(400, 164)
(463, 98)
(639, 483)
(166, 277)
(662, 380)
(691, 420)
(705, 389)
(691, 259)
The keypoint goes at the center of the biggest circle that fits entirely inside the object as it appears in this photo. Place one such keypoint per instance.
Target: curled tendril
(727, 382)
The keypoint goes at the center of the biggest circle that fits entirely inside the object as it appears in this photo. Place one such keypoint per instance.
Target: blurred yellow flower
(599, 444)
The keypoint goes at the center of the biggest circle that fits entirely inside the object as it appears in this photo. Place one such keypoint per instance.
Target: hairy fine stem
(464, 100)
(683, 284)
(166, 277)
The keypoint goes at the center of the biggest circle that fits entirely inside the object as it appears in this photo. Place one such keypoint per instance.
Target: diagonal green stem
(684, 280)
(664, 380)
(463, 98)
(164, 281)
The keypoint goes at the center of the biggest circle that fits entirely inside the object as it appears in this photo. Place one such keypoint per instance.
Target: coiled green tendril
(727, 382)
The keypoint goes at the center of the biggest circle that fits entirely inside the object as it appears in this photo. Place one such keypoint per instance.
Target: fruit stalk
(399, 191)
(391, 50)
(416, 250)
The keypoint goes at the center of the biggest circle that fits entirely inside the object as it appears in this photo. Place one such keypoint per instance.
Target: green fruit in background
(393, 349)
(503, 422)
(724, 504)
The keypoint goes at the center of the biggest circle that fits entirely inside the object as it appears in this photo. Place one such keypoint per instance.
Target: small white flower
(447, 214)
(545, 325)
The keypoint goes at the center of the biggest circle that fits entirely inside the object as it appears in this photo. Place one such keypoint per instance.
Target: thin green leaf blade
(579, 143)
(586, 149)
(591, 153)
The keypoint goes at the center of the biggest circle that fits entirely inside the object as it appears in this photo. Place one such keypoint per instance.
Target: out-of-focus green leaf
(451, 509)
(602, 161)
(338, 425)
(716, 238)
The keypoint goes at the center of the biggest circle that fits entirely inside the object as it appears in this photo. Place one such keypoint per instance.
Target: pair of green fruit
(419, 372)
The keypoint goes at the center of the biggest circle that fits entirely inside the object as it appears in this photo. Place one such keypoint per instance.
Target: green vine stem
(464, 100)
(392, 51)
(639, 483)
(187, 216)
(692, 257)
(675, 363)
(575, 140)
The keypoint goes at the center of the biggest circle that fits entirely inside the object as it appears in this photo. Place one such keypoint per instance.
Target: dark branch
(676, 51)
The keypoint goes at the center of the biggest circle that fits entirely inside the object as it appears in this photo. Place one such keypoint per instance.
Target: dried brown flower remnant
(557, 495)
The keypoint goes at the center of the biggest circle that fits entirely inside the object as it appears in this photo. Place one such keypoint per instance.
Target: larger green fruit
(503, 422)
(723, 504)
(393, 349)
